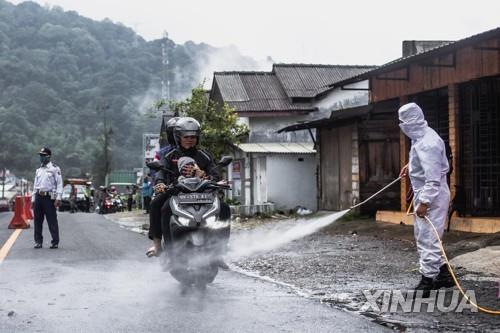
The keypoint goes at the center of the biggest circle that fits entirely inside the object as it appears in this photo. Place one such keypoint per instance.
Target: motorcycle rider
(187, 137)
(169, 139)
(155, 204)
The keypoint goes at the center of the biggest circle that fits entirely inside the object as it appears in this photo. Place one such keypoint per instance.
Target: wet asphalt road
(99, 280)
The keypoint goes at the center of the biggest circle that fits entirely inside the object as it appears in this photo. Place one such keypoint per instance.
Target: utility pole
(3, 182)
(107, 132)
(165, 78)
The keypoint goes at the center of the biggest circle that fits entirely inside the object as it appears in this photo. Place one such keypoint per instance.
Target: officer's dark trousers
(44, 208)
(147, 204)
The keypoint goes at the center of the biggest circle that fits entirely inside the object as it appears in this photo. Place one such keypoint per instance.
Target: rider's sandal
(152, 252)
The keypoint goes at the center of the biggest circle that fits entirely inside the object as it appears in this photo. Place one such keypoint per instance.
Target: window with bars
(434, 104)
(480, 145)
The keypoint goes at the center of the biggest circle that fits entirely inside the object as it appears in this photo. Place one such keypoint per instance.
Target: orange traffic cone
(27, 207)
(19, 221)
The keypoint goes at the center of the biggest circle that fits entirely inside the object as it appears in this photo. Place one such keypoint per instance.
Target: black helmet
(186, 126)
(169, 128)
(45, 151)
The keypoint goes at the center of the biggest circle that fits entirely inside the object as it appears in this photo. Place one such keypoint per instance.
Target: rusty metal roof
(438, 50)
(309, 80)
(276, 90)
(256, 92)
(337, 118)
(278, 148)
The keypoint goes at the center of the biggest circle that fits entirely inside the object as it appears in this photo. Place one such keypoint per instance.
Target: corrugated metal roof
(400, 62)
(308, 80)
(256, 91)
(278, 148)
(273, 91)
(337, 118)
(233, 91)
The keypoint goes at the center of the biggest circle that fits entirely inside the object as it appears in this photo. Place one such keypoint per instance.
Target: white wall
(263, 129)
(291, 183)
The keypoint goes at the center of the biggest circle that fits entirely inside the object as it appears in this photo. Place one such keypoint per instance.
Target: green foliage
(219, 125)
(57, 67)
(232, 202)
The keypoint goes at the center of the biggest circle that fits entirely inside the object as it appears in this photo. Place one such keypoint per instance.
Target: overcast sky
(312, 31)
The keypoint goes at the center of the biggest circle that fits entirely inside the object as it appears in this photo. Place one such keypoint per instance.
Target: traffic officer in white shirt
(47, 193)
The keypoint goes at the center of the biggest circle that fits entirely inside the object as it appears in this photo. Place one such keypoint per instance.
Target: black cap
(45, 151)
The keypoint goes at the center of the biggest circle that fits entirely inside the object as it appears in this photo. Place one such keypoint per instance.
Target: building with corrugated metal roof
(272, 168)
(457, 84)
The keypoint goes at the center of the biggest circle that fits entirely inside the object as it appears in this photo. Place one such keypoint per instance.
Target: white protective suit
(427, 169)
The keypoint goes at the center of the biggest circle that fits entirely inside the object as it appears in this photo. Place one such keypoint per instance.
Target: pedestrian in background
(47, 193)
(137, 197)
(72, 199)
(130, 198)
(147, 192)
(87, 197)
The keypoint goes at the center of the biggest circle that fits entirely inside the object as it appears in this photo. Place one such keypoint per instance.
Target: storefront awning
(278, 148)
(337, 118)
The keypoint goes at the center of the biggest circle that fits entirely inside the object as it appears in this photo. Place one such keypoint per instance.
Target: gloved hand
(187, 170)
(422, 210)
(190, 170)
(160, 188)
(404, 171)
(198, 172)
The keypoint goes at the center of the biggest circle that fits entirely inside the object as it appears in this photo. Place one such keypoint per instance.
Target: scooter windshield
(193, 184)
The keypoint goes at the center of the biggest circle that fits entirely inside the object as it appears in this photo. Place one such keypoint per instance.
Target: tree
(56, 65)
(220, 128)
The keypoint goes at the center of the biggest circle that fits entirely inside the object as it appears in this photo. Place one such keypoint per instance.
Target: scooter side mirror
(225, 161)
(154, 165)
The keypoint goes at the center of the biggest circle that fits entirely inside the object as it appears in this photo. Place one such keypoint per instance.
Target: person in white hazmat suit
(427, 168)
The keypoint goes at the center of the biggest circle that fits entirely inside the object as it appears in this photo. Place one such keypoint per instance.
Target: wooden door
(336, 168)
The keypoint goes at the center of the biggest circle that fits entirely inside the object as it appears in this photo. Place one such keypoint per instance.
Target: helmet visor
(189, 133)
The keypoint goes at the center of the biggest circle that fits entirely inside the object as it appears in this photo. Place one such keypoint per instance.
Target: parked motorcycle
(107, 206)
(118, 204)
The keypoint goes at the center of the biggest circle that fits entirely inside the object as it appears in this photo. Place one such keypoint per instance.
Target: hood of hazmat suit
(428, 162)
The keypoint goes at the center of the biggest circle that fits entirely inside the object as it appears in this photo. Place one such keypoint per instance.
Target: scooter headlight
(183, 220)
(212, 223)
(211, 219)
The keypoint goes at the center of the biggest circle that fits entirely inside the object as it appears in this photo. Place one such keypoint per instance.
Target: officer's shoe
(38, 246)
(424, 287)
(54, 246)
(443, 279)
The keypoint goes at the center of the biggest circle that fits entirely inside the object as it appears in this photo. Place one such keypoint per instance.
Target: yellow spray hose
(450, 269)
(374, 195)
(480, 308)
